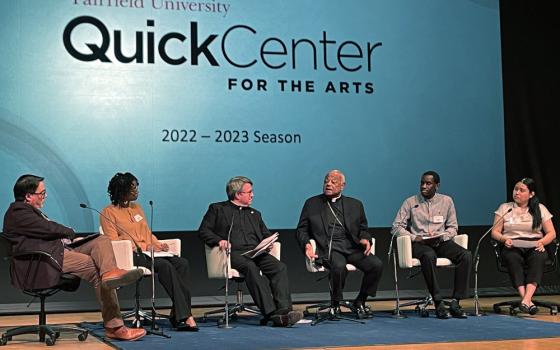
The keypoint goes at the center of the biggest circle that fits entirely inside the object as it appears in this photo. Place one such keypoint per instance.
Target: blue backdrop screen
(187, 94)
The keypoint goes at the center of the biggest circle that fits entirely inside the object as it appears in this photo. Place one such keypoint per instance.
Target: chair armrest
(174, 245)
(123, 254)
(372, 251)
(215, 262)
(275, 251)
(310, 265)
(404, 249)
(462, 240)
(37, 255)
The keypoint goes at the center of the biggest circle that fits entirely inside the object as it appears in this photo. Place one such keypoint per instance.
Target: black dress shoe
(286, 320)
(442, 312)
(361, 308)
(456, 310)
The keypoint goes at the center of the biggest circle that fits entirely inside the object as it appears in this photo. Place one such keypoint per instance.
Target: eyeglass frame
(42, 194)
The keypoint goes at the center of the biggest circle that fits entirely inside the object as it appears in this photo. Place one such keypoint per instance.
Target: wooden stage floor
(70, 342)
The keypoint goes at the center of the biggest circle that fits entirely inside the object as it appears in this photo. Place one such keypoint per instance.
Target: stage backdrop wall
(187, 95)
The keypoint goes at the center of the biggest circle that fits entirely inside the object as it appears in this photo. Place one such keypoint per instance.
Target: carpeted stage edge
(380, 330)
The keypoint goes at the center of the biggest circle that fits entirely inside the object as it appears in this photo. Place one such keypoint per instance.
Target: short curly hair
(120, 186)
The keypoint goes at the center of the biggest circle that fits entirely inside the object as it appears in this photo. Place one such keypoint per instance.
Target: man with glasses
(29, 229)
(235, 220)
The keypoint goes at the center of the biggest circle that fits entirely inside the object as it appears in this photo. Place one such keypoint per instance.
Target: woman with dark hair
(524, 227)
(124, 214)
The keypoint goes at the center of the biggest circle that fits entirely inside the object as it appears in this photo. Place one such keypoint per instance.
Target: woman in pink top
(525, 228)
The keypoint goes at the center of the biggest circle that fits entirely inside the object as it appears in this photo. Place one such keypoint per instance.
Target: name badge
(138, 217)
(438, 219)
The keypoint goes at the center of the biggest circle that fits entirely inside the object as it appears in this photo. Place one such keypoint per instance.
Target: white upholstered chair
(216, 268)
(407, 262)
(124, 250)
(312, 267)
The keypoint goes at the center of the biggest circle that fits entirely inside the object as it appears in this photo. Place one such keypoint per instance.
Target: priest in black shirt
(270, 290)
(339, 226)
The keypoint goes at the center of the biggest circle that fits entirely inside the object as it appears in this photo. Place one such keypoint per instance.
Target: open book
(262, 247)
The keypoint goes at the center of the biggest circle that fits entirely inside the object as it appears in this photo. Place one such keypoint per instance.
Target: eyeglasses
(246, 192)
(41, 194)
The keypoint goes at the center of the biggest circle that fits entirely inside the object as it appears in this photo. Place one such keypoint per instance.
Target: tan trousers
(89, 262)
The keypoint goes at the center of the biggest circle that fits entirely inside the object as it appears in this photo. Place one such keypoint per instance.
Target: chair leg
(233, 309)
(553, 307)
(50, 333)
(331, 314)
(318, 307)
(513, 305)
(421, 305)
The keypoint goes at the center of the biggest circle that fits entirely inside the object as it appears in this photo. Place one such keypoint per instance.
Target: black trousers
(174, 275)
(270, 290)
(525, 265)
(462, 258)
(370, 265)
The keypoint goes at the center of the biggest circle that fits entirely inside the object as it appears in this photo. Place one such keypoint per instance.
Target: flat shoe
(533, 309)
(186, 328)
(524, 308)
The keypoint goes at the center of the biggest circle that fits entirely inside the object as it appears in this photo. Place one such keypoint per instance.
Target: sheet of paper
(434, 236)
(159, 254)
(519, 243)
(262, 247)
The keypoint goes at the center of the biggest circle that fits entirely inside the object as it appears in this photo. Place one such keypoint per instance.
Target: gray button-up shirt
(420, 217)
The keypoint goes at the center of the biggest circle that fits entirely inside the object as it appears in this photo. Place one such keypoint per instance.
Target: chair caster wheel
(554, 311)
(83, 336)
(512, 311)
(497, 309)
(424, 313)
(50, 341)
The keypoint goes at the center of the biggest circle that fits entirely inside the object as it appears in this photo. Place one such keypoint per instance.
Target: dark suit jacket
(28, 230)
(217, 220)
(313, 222)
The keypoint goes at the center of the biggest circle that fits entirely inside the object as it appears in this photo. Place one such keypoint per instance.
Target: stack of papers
(262, 247)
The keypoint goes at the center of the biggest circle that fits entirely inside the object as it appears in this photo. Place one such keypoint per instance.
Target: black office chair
(551, 265)
(67, 283)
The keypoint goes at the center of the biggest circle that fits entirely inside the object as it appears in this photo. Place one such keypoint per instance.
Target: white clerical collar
(335, 199)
